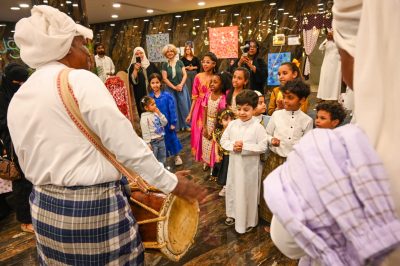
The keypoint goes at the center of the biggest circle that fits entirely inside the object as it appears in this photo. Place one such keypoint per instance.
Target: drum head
(180, 228)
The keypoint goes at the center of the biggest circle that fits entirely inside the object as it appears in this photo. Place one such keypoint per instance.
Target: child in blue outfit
(165, 103)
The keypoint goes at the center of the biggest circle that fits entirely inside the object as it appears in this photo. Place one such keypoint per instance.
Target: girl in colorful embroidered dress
(201, 86)
(213, 102)
(165, 102)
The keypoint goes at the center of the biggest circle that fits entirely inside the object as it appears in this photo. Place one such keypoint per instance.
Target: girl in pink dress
(200, 88)
(213, 102)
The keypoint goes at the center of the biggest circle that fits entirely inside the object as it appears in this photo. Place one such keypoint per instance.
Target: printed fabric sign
(155, 43)
(274, 62)
(224, 41)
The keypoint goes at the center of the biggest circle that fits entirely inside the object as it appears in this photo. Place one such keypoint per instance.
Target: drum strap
(71, 105)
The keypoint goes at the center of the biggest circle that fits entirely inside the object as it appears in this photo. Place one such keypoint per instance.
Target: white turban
(346, 19)
(46, 35)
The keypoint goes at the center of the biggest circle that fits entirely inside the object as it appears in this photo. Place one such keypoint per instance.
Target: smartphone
(138, 60)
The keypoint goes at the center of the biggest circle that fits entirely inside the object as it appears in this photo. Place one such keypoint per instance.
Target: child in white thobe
(245, 139)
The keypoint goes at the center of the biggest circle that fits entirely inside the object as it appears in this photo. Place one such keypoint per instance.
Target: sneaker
(229, 221)
(222, 192)
(178, 160)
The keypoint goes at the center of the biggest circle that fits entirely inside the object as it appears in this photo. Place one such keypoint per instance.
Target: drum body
(166, 223)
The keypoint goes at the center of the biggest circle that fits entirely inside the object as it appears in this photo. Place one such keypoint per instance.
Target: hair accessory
(296, 62)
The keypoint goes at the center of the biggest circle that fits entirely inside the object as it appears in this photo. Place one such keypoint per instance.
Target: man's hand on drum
(187, 189)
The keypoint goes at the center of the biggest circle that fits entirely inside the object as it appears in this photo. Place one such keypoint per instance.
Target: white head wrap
(145, 62)
(259, 94)
(46, 35)
(346, 18)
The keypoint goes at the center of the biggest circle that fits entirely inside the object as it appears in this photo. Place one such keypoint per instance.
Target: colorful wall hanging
(155, 43)
(224, 41)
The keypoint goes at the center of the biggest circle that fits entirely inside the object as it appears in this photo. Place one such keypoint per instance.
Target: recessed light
(248, 17)
(321, 4)
(45, 1)
(236, 14)
(15, 8)
(116, 5)
(135, 26)
(290, 16)
(201, 3)
(169, 29)
(23, 5)
(150, 11)
(196, 19)
(68, 2)
(320, 9)
(286, 13)
(61, 4)
(145, 20)
(13, 31)
(75, 5)
(272, 4)
(178, 16)
(154, 28)
(281, 9)
(197, 26)
(184, 25)
(112, 24)
(114, 16)
(222, 10)
(166, 22)
(3, 25)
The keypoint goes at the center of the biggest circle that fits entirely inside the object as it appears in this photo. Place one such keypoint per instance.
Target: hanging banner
(224, 41)
(155, 43)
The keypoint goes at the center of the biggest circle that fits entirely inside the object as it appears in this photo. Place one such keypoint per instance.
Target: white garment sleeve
(163, 120)
(102, 115)
(309, 127)
(284, 241)
(261, 144)
(270, 128)
(112, 67)
(225, 141)
(145, 127)
(323, 45)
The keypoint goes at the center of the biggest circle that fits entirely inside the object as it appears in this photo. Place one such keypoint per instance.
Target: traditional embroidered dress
(199, 91)
(213, 107)
(242, 186)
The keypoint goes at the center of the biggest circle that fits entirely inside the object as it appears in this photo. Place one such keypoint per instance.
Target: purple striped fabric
(332, 196)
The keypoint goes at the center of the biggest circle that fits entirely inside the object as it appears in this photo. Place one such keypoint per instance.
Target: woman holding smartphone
(139, 71)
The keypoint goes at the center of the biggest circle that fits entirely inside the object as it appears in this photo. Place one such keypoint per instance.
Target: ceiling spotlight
(281, 9)
(222, 10)
(320, 4)
(178, 16)
(3, 25)
(75, 5)
(112, 24)
(13, 31)
(150, 11)
(248, 17)
(290, 16)
(184, 25)
(201, 3)
(116, 5)
(15, 8)
(320, 9)
(68, 2)
(196, 19)
(286, 13)
(236, 14)
(23, 5)
(166, 22)
(197, 26)
(272, 4)
(169, 29)
(135, 26)
(154, 28)
(45, 1)
(61, 4)
(114, 16)
(145, 20)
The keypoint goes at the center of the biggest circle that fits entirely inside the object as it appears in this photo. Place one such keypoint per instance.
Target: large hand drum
(167, 223)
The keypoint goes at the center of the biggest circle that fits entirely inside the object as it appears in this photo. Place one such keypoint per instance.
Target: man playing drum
(79, 213)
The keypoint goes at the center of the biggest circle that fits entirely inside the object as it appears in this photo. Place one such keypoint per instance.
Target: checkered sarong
(90, 225)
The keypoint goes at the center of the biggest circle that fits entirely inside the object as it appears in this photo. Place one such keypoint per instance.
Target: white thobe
(52, 150)
(243, 181)
(288, 127)
(105, 67)
(330, 81)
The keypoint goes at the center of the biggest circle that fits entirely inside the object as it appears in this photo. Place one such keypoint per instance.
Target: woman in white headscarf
(139, 70)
